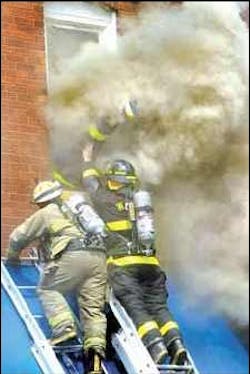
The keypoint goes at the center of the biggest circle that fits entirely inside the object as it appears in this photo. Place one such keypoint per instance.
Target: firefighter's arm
(91, 178)
(31, 229)
(97, 134)
(90, 174)
(102, 129)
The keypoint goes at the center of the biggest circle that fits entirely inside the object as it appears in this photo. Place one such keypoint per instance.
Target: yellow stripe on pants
(168, 326)
(146, 327)
(130, 260)
(60, 318)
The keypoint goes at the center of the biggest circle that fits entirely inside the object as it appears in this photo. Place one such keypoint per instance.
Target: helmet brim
(124, 179)
(47, 197)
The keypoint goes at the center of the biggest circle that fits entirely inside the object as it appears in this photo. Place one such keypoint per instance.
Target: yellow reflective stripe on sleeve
(119, 225)
(146, 327)
(168, 326)
(131, 260)
(60, 178)
(59, 224)
(96, 134)
(90, 173)
(60, 317)
(66, 194)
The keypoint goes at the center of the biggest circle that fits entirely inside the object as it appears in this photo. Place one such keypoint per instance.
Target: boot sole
(162, 358)
(180, 357)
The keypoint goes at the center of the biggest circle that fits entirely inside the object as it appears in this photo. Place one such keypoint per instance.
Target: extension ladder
(69, 359)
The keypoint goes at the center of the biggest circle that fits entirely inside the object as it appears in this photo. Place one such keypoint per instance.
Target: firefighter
(134, 272)
(72, 264)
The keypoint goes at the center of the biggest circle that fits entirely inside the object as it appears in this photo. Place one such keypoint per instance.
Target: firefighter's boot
(177, 353)
(66, 334)
(94, 364)
(158, 351)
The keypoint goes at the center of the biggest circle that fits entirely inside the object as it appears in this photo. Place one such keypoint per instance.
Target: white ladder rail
(132, 352)
(41, 349)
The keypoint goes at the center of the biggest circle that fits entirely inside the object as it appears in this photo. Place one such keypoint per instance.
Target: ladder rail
(41, 349)
(128, 345)
(127, 340)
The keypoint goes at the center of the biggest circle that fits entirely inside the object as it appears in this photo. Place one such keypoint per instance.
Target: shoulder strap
(68, 214)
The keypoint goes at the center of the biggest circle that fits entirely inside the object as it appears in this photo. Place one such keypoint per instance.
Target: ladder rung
(174, 367)
(173, 371)
(67, 349)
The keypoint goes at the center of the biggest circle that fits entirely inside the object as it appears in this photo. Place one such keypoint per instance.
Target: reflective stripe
(130, 260)
(118, 172)
(94, 340)
(123, 174)
(90, 173)
(59, 318)
(66, 195)
(96, 134)
(59, 224)
(60, 178)
(168, 326)
(119, 225)
(120, 205)
(146, 327)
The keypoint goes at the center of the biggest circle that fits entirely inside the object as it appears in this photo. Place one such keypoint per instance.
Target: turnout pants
(141, 289)
(85, 273)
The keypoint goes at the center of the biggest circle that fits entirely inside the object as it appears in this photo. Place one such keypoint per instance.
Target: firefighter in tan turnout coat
(74, 260)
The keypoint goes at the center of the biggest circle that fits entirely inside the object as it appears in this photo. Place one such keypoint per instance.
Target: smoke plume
(187, 67)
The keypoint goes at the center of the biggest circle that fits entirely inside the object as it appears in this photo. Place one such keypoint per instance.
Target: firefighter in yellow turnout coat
(72, 264)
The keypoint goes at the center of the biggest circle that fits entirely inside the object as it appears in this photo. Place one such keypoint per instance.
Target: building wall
(24, 136)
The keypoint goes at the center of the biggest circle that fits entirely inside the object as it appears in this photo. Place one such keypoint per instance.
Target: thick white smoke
(187, 67)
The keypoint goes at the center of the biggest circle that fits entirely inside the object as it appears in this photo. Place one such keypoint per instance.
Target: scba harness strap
(86, 244)
(89, 241)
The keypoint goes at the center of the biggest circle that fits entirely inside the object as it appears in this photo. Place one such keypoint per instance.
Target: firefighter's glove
(87, 152)
(13, 258)
(130, 109)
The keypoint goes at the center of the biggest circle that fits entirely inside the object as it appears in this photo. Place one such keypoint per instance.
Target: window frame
(104, 26)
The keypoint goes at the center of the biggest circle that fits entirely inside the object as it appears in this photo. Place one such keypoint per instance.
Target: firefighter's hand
(130, 109)
(87, 152)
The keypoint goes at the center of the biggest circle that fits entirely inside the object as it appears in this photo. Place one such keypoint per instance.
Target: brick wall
(24, 136)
